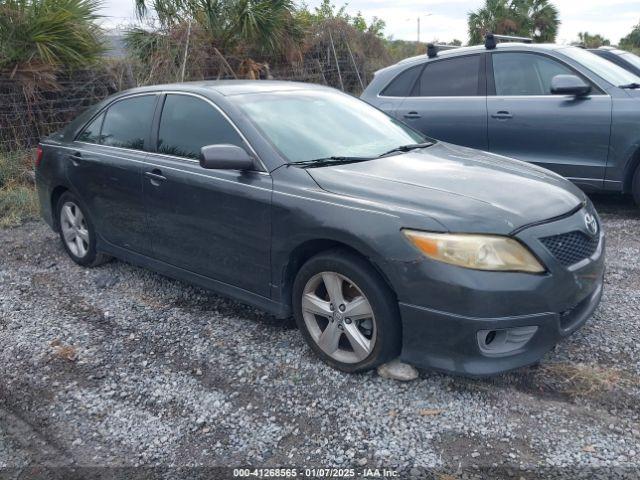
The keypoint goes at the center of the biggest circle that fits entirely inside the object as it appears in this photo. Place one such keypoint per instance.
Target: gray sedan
(301, 200)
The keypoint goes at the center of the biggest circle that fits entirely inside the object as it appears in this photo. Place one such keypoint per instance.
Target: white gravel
(118, 366)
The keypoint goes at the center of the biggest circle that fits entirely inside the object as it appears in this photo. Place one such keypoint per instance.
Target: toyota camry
(302, 200)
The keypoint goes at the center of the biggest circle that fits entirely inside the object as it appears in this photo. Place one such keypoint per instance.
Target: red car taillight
(38, 156)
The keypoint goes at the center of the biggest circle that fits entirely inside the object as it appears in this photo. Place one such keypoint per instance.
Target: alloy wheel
(339, 317)
(74, 229)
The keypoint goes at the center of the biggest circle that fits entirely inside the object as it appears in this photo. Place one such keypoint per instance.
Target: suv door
(448, 101)
(566, 134)
(216, 223)
(105, 169)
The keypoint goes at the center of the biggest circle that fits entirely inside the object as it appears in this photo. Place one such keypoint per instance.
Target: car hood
(461, 188)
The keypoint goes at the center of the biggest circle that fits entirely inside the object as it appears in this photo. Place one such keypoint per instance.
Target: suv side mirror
(225, 157)
(569, 85)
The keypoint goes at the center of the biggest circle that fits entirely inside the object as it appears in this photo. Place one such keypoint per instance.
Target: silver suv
(559, 107)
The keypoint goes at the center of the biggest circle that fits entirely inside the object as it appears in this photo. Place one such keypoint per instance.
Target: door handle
(412, 115)
(75, 157)
(502, 115)
(155, 176)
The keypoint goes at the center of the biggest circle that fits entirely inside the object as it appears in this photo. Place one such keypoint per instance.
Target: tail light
(38, 156)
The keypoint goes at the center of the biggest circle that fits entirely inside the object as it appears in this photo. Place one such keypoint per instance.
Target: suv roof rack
(434, 48)
(491, 40)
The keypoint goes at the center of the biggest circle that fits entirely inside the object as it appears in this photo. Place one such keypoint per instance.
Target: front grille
(571, 247)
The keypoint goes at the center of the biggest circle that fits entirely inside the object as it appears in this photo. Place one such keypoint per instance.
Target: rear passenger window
(401, 85)
(188, 124)
(127, 122)
(91, 133)
(454, 77)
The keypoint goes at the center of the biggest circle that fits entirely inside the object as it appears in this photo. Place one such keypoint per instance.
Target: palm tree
(266, 26)
(45, 35)
(537, 19)
(497, 16)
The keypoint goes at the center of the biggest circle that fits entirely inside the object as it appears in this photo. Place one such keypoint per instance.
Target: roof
(233, 87)
(481, 48)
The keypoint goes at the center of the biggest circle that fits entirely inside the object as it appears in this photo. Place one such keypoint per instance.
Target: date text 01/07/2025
(315, 473)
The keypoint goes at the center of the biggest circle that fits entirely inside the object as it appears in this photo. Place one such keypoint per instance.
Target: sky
(444, 20)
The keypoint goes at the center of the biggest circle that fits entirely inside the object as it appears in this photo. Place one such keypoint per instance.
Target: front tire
(77, 232)
(346, 312)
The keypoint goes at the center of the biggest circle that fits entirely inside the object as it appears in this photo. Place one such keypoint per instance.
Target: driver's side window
(187, 124)
(525, 73)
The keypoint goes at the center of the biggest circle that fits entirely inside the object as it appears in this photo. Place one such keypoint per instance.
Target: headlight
(480, 252)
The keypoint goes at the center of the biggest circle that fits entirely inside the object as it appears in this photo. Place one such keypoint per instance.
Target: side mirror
(225, 157)
(569, 85)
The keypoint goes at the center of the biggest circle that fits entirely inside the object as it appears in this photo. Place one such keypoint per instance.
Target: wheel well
(634, 164)
(55, 196)
(305, 251)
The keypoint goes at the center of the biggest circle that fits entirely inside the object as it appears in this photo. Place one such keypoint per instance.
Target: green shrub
(36, 35)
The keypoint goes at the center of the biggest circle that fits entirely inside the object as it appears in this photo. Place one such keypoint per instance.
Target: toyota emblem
(591, 223)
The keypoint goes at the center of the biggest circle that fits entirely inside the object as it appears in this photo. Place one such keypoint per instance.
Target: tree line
(39, 37)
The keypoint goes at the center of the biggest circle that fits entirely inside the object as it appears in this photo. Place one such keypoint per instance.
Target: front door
(216, 223)
(105, 168)
(566, 134)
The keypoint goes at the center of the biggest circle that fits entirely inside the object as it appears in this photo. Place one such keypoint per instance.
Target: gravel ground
(120, 367)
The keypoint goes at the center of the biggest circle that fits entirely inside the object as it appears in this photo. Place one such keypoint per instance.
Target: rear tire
(635, 186)
(346, 312)
(77, 232)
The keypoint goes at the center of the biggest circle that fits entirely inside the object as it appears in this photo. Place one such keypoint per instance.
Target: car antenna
(491, 40)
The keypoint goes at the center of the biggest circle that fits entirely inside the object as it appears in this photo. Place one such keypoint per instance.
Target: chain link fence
(28, 112)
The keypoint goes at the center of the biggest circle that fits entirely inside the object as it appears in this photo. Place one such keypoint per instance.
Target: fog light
(491, 336)
(506, 340)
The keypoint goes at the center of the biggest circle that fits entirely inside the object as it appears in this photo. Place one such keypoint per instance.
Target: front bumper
(447, 342)
(521, 315)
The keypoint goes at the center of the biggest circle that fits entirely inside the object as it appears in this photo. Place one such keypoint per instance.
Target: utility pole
(418, 23)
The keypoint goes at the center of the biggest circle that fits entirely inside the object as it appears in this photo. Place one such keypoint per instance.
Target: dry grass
(584, 380)
(18, 198)
(66, 352)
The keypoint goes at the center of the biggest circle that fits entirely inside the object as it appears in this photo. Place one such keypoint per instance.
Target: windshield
(313, 124)
(631, 58)
(611, 72)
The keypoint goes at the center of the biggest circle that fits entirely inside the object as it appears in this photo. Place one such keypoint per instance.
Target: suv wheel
(77, 232)
(346, 312)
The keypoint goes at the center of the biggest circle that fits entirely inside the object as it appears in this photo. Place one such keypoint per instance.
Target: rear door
(565, 134)
(393, 95)
(448, 101)
(105, 169)
(216, 223)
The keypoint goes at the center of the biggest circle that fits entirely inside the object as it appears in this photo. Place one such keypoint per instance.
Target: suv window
(188, 124)
(91, 133)
(127, 122)
(454, 77)
(525, 73)
(401, 85)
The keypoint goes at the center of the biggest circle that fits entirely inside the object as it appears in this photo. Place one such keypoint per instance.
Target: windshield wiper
(630, 85)
(407, 148)
(321, 162)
